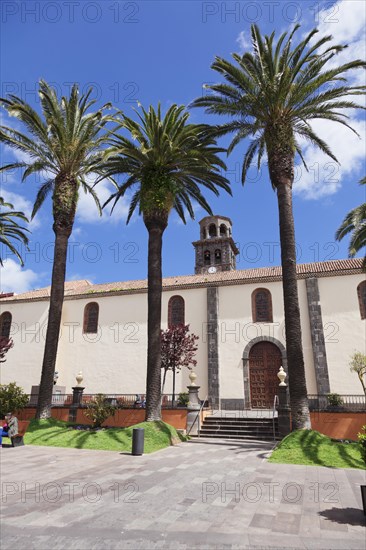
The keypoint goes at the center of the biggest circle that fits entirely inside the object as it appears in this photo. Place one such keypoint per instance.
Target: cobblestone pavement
(201, 494)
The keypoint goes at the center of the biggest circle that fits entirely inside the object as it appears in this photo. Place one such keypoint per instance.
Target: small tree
(178, 349)
(358, 365)
(5, 345)
(98, 410)
(12, 398)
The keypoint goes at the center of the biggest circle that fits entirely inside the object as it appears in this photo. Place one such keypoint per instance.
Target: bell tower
(216, 250)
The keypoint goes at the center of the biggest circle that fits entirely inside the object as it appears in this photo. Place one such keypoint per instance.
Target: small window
(212, 231)
(217, 256)
(262, 306)
(361, 291)
(5, 324)
(175, 311)
(91, 315)
(207, 257)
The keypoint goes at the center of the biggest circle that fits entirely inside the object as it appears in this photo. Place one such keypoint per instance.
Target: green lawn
(315, 449)
(54, 433)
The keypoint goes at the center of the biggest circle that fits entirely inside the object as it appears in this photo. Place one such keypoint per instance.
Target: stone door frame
(246, 352)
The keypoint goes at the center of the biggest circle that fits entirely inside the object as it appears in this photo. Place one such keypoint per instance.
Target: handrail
(276, 401)
(199, 412)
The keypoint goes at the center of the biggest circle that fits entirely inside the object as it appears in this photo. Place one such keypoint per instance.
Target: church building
(237, 314)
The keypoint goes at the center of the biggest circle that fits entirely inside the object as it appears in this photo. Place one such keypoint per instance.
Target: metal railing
(333, 402)
(121, 401)
(276, 401)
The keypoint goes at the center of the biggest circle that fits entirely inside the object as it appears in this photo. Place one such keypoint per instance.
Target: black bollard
(138, 435)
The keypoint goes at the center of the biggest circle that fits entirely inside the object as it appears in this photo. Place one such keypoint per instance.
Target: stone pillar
(213, 346)
(77, 395)
(194, 405)
(284, 417)
(317, 336)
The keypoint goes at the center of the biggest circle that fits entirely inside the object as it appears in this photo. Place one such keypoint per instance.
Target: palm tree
(355, 223)
(166, 162)
(10, 229)
(66, 145)
(272, 95)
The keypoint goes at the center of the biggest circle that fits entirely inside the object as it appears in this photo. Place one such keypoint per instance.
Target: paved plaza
(200, 494)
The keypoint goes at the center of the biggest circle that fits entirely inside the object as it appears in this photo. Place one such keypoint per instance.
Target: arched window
(207, 257)
(5, 324)
(361, 292)
(223, 230)
(217, 256)
(212, 231)
(175, 311)
(91, 315)
(262, 306)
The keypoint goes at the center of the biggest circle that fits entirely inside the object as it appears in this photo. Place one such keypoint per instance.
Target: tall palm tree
(11, 230)
(355, 223)
(271, 96)
(66, 145)
(165, 162)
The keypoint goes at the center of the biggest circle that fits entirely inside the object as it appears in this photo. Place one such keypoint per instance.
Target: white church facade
(237, 314)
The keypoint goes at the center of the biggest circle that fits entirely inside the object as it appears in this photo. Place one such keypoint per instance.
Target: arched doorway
(265, 360)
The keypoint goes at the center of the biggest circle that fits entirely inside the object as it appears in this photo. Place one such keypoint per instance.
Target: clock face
(212, 269)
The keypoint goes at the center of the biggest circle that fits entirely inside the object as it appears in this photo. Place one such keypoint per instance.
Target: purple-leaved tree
(5, 345)
(178, 349)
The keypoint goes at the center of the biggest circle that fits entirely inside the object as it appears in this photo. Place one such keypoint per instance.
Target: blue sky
(161, 51)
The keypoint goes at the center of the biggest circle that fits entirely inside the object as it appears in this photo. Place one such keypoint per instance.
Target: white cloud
(16, 279)
(87, 211)
(325, 176)
(345, 21)
(244, 41)
(21, 204)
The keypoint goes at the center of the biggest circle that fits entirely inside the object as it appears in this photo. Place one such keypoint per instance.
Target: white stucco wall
(237, 330)
(345, 331)
(24, 361)
(196, 316)
(114, 361)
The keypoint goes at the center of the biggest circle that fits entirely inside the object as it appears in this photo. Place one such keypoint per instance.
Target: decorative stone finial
(193, 377)
(281, 375)
(79, 378)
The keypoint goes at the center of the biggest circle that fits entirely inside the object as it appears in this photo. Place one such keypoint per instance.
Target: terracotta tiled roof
(83, 288)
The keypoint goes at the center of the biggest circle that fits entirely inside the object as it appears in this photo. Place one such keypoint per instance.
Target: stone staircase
(245, 428)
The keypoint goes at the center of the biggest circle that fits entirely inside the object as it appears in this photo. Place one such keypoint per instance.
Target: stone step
(244, 432)
(241, 424)
(223, 435)
(240, 432)
(247, 420)
(240, 418)
(240, 428)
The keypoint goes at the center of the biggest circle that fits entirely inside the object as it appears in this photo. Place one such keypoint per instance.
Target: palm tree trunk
(296, 369)
(154, 292)
(53, 327)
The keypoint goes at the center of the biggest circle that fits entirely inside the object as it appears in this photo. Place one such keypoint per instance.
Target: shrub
(334, 399)
(362, 441)
(358, 365)
(12, 398)
(98, 410)
(183, 399)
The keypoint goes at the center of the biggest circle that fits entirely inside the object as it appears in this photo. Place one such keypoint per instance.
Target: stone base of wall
(232, 404)
(338, 425)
